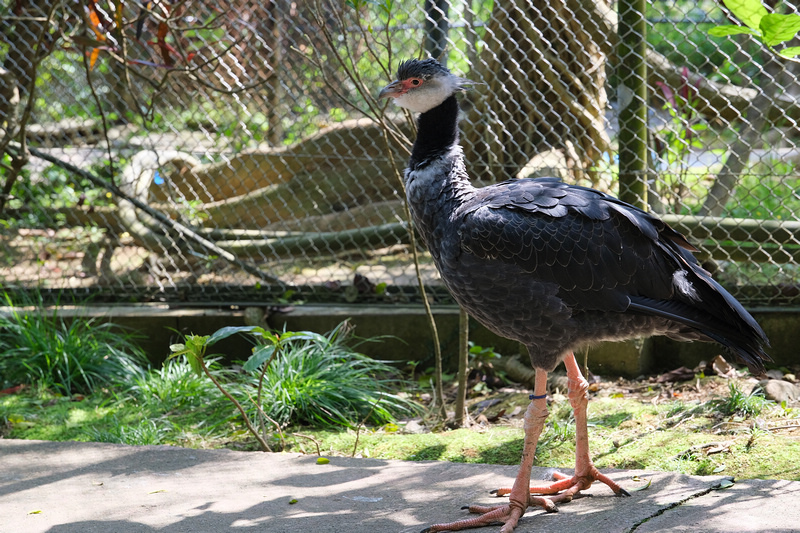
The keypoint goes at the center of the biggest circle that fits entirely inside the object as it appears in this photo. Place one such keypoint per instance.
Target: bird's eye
(416, 82)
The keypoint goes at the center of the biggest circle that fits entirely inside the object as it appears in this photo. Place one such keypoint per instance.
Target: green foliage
(39, 347)
(768, 190)
(679, 32)
(772, 29)
(55, 188)
(674, 143)
(306, 378)
(146, 432)
(739, 403)
(321, 380)
(176, 385)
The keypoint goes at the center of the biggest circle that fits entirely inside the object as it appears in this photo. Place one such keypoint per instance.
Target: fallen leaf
(37, 511)
(157, 491)
(679, 374)
(722, 367)
(725, 483)
(12, 390)
(645, 487)
(323, 461)
(292, 501)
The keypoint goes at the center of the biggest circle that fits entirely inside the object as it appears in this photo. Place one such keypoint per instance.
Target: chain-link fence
(236, 153)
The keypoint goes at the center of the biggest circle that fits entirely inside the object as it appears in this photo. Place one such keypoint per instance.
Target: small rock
(774, 374)
(414, 427)
(790, 377)
(559, 383)
(779, 390)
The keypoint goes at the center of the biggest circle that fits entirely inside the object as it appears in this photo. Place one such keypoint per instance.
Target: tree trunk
(543, 88)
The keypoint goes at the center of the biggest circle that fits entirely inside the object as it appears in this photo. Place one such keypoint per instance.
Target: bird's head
(422, 84)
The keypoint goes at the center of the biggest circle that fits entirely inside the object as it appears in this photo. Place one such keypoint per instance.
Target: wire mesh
(237, 153)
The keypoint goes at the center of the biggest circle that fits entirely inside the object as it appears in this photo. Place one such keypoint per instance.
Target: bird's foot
(508, 514)
(563, 487)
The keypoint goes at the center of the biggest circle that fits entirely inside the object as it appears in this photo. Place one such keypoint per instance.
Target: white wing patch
(684, 286)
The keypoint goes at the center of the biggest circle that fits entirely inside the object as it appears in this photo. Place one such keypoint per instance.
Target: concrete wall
(407, 336)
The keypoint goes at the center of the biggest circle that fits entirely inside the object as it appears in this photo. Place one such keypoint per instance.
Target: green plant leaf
(725, 483)
(777, 28)
(195, 352)
(790, 51)
(224, 333)
(302, 335)
(643, 487)
(748, 11)
(724, 31)
(259, 357)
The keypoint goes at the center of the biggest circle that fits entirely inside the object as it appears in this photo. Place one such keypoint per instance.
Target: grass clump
(739, 403)
(322, 380)
(146, 432)
(39, 348)
(317, 379)
(172, 387)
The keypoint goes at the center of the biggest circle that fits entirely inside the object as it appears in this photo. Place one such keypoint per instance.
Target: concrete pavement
(72, 487)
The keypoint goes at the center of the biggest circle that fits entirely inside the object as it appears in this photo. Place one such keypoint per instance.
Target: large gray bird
(555, 267)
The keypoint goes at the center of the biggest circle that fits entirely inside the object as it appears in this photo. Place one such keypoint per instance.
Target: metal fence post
(632, 98)
(436, 27)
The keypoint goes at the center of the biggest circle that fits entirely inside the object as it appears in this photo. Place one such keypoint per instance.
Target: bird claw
(506, 514)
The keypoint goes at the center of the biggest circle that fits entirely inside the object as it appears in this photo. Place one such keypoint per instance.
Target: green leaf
(644, 487)
(195, 351)
(777, 28)
(724, 31)
(323, 461)
(725, 483)
(748, 11)
(259, 357)
(303, 335)
(224, 333)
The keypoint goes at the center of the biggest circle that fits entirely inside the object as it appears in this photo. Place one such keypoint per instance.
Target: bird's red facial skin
(400, 87)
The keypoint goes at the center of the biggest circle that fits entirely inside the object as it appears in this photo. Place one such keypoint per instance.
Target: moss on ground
(690, 437)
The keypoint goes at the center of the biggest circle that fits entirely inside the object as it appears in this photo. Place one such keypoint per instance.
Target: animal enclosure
(193, 154)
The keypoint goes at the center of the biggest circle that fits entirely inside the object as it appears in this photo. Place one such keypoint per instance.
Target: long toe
(488, 516)
(564, 487)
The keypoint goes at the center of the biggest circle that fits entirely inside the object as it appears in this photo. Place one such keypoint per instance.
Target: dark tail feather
(740, 338)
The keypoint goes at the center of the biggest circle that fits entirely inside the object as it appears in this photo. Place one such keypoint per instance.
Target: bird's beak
(393, 90)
